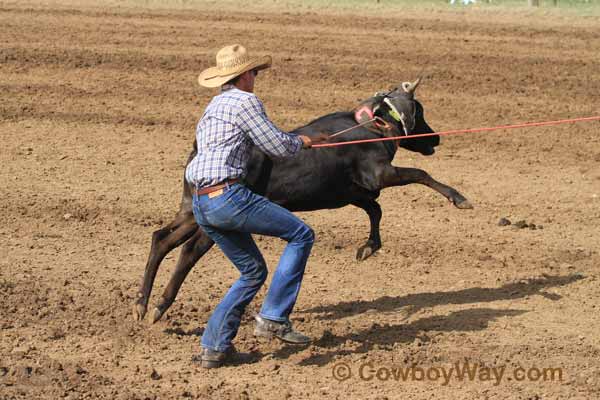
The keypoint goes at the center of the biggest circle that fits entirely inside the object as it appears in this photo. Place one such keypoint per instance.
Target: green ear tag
(394, 114)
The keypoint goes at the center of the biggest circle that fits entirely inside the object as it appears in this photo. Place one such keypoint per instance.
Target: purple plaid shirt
(233, 122)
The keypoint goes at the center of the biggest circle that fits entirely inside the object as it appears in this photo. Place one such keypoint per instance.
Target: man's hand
(309, 141)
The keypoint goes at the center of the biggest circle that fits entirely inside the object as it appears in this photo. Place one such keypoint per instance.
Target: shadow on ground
(475, 319)
(418, 301)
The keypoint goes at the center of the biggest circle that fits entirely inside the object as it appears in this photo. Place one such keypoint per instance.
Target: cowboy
(234, 121)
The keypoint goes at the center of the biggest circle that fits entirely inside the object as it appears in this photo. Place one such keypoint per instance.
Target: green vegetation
(580, 7)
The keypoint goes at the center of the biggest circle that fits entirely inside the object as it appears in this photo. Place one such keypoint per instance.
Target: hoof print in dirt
(155, 375)
(522, 224)
(504, 222)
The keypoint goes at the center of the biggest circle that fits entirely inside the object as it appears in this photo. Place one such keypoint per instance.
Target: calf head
(400, 108)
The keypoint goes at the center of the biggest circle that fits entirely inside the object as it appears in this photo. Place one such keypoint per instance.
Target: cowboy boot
(282, 330)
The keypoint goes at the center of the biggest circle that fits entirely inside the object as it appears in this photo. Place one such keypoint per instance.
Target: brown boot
(209, 358)
(282, 330)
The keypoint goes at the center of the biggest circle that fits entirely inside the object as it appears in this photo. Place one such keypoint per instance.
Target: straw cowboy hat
(232, 61)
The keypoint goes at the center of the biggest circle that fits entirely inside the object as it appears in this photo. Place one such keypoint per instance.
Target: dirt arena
(97, 116)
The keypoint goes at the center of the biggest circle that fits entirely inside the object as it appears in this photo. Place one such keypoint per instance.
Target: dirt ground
(97, 116)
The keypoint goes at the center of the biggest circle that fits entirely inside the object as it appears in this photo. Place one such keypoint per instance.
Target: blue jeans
(229, 219)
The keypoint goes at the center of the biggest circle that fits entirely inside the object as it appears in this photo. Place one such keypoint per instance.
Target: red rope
(454, 132)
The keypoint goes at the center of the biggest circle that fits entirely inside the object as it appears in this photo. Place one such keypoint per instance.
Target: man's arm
(253, 120)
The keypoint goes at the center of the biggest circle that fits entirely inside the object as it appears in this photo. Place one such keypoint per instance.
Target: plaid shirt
(233, 122)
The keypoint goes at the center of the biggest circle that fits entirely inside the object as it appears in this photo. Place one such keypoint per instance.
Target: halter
(394, 113)
(365, 116)
(367, 112)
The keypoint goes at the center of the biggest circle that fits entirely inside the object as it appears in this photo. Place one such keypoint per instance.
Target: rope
(457, 131)
(354, 127)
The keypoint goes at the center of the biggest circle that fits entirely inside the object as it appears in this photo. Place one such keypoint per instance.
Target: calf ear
(410, 87)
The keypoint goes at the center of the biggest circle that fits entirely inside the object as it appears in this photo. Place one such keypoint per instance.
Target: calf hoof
(139, 311)
(157, 314)
(460, 202)
(160, 309)
(366, 251)
(463, 205)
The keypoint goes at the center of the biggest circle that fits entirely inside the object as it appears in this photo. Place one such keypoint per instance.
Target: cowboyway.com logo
(459, 371)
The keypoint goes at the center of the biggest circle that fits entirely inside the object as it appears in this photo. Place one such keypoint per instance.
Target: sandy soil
(97, 115)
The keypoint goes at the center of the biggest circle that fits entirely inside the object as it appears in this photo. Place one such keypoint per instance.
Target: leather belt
(214, 188)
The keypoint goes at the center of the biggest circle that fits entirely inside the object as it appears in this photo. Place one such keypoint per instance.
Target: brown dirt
(98, 108)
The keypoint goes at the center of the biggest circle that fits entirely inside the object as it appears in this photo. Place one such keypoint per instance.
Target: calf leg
(163, 241)
(191, 252)
(395, 176)
(373, 210)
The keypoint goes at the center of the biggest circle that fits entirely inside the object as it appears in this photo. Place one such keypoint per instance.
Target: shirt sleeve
(253, 121)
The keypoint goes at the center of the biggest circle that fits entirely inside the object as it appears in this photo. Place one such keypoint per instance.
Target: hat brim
(213, 77)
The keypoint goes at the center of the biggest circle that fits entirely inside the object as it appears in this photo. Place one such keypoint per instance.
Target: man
(234, 121)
